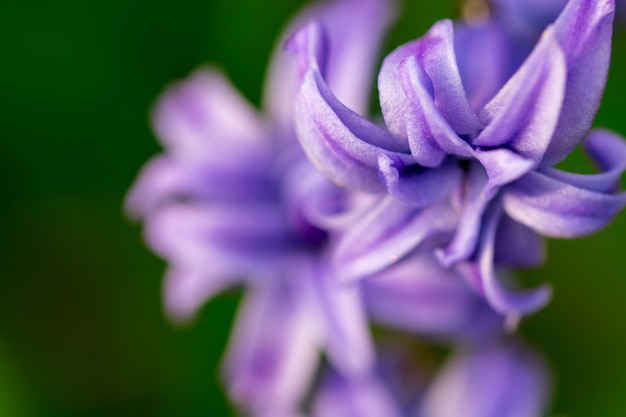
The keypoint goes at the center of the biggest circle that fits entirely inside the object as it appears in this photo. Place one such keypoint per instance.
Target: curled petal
(584, 30)
(419, 187)
(420, 296)
(430, 135)
(608, 151)
(558, 204)
(340, 143)
(484, 278)
(352, 52)
(525, 111)
(435, 54)
(502, 166)
(387, 233)
(273, 352)
(505, 380)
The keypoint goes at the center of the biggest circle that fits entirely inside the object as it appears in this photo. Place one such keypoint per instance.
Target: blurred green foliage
(81, 326)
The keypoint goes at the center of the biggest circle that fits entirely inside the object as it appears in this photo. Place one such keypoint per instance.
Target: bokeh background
(82, 332)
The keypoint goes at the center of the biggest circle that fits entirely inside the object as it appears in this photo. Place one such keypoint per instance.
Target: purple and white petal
(505, 380)
(352, 54)
(387, 233)
(524, 113)
(219, 235)
(419, 187)
(340, 143)
(436, 57)
(203, 117)
(430, 135)
(485, 279)
(474, 201)
(584, 30)
(273, 351)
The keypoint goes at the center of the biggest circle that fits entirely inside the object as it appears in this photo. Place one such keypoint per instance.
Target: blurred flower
(501, 380)
(468, 152)
(234, 201)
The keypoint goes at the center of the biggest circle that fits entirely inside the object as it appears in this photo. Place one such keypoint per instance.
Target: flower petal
(584, 31)
(241, 239)
(352, 53)
(420, 296)
(273, 352)
(474, 203)
(364, 396)
(525, 111)
(419, 188)
(203, 116)
(186, 290)
(506, 380)
(435, 55)
(387, 233)
(340, 143)
(343, 320)
(485, 280)
(558, 204)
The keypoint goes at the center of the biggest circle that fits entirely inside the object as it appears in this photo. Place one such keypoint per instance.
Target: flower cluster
(330, 221)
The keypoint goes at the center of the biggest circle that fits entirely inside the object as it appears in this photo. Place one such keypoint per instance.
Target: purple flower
(501, 380)
(467, 161)
(234, 201)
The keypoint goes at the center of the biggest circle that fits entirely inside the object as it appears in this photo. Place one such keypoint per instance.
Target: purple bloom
(234, 201)
(468, 162)
(501, 380)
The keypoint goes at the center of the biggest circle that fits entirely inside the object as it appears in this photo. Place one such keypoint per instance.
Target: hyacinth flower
(506, 379)
(490, 160)
(234, 201)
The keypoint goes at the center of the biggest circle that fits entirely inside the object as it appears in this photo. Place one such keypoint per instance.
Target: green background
(82, 331)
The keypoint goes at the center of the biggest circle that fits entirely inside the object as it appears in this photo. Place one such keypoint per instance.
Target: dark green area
(82, 331)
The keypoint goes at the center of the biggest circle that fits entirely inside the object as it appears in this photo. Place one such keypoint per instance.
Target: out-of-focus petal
(420, 296)
(486, 59)
(205, 236)
(204, 117)
(584, 31)
(507, 380)
(525, 111)
(340, 143)
(273, 351)
(342, 316)
(387, 233)
(166, 180)
(186, 290)
(365, 396)
(418, 187)
(517, 245)
(352, 54)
